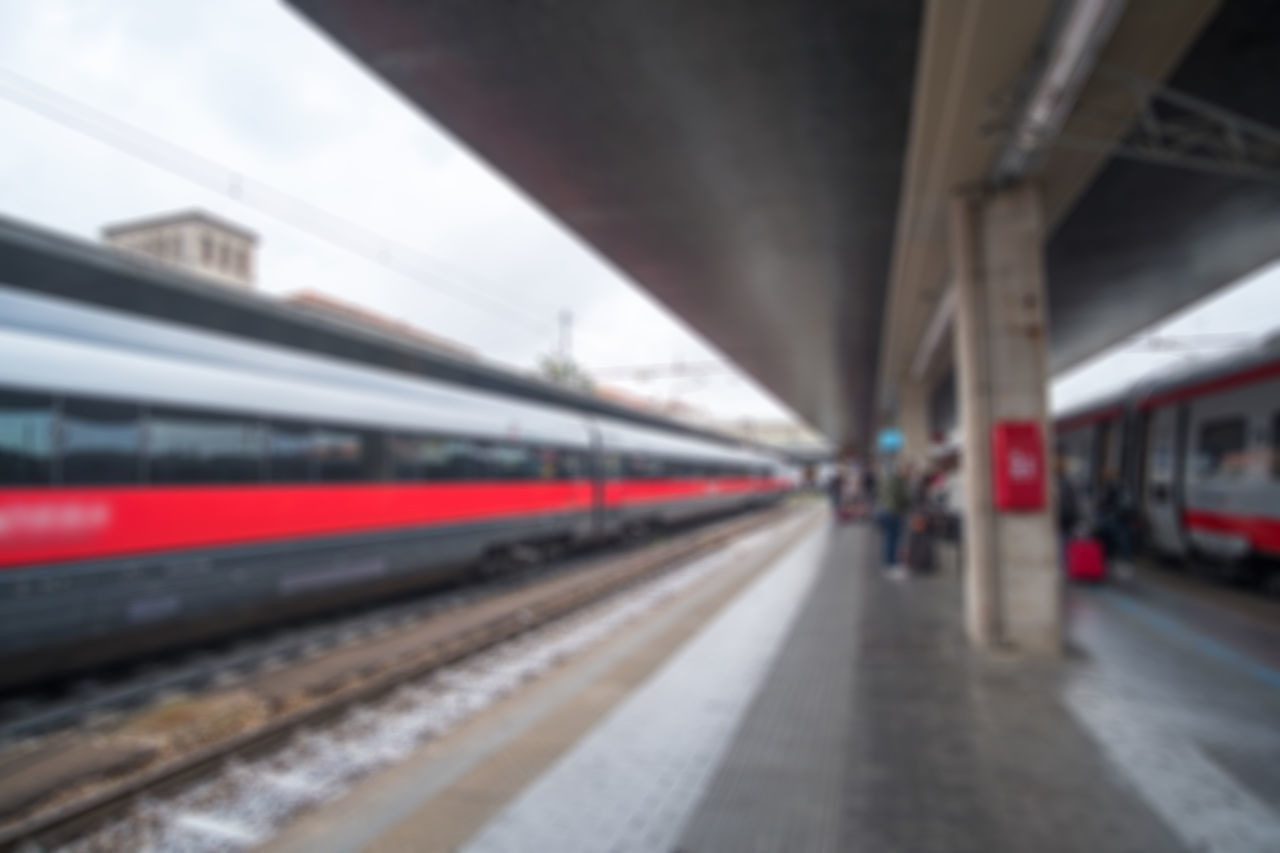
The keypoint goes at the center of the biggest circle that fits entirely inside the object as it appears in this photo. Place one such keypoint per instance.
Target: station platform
(804, 702)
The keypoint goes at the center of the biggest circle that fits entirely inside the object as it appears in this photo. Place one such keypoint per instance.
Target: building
(318, 303)
(194, 241)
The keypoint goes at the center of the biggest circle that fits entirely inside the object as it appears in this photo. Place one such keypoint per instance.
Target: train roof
(48, 363)
(1180, 382)
(1097, 409)
(74, 349)
(1207, 376)
(43, 262)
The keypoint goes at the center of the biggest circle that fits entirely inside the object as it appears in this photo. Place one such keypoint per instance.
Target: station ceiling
(776, 171)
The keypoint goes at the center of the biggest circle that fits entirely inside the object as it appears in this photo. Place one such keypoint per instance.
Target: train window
(26, 439)
(509, 461)
(101, 442)
(417, 457)
(185, 447)
(290, 451)
(457, 459)
(573, 465)
(611, 465)
(549, 462)
(410, 457)
(1220, 448)
(641, 467)
(343, 455)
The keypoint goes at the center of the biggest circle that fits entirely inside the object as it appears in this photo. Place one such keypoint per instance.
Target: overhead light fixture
(1075, 41)
(943, 312)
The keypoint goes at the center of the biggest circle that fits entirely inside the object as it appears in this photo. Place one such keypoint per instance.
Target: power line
(676, 369)
(260, 196)
(1191, 343)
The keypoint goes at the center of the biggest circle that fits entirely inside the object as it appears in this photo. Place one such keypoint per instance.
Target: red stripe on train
(49, 525)
(1248, 376)
(1263, 533)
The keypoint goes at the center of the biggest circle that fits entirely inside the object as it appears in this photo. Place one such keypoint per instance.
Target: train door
(1160, 504)
(1077, 448)
(1098, 457)
(1137, 433)
(1109, 452)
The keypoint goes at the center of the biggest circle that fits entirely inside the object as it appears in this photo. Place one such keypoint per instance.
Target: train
(1199, 451)
(161, 485)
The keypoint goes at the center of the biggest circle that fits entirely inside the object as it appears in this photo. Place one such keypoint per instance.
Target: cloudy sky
(241, 108)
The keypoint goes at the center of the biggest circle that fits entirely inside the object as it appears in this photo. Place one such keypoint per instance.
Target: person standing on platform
(1069, 515)
(895, 503)
(1115, 520)
(835, 486)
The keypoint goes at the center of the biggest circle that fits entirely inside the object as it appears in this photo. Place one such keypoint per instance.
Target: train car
(1091, 442)
(1209, 439)
(1200, 450)
(159, 485)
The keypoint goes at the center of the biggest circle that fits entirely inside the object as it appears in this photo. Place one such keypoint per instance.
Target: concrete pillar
(1013, 588)
(913, 421)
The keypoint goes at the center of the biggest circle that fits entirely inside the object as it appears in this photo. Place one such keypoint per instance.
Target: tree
(564, 371)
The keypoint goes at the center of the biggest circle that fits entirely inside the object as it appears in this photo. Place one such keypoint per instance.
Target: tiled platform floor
(874, 728)
(827, 708)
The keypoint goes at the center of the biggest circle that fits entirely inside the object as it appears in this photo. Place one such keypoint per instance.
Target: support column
(1013, 587)
(913, 421)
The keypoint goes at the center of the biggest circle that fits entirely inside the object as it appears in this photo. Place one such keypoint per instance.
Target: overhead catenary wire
(290, 210)
(286, 208)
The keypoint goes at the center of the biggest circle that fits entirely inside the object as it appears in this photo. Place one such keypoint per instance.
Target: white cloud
(250, 86)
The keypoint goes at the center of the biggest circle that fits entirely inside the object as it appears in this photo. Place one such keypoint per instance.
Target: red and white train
(1200, 451)
(159, 485)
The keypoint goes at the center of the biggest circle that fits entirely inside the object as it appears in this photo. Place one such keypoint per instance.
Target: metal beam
(1173, 128)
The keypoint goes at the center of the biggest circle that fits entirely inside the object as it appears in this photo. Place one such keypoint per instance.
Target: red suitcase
(1085, 560)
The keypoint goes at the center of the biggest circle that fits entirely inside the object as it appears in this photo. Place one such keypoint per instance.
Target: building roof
(177, 218)
(312, 300)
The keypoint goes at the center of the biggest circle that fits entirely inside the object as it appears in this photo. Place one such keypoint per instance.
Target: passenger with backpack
(895, 503)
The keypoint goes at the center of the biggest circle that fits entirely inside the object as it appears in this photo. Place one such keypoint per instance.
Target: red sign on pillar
(1017, 460)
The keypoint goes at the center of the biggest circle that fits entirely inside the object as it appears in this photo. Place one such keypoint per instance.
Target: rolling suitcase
(1085, 560)
(917, 550)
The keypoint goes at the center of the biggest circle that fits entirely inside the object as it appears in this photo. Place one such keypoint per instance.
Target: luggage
(852, 509)
(1085, 559)
(917, 549)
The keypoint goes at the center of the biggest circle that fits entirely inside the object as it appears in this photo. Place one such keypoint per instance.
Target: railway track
(92, 696)
(268, 706)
